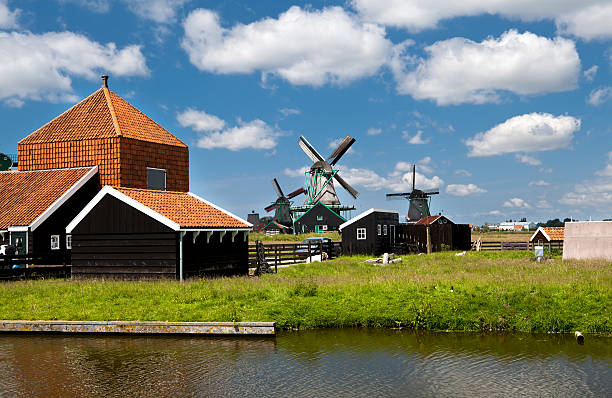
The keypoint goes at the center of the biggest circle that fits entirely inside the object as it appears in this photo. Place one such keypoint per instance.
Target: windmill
(282, 206)
(419, 200)
(6, 162)
(320, 178)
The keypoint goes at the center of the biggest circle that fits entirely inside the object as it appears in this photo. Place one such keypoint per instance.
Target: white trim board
(364, 214)
(62, 199)
(536, 232)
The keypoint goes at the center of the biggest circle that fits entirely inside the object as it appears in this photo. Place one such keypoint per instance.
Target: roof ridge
(111, 108)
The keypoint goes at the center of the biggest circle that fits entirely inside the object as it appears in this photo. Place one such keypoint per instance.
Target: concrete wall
(584, 240)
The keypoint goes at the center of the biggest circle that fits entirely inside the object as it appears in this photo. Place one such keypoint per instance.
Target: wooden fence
(497, 246)
(293, 253)
(25, 266)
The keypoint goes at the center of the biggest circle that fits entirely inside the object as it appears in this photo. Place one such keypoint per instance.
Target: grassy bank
(490, 290)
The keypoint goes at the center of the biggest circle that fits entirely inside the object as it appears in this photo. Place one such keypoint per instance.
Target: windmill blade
(397, 196)
(436, 192)
(341, 150)
(270, 208)
(346, 186)
(296, 193)
(309, 150)
(278, 189)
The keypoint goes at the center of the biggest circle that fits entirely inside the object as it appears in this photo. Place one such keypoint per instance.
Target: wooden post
(428, 241)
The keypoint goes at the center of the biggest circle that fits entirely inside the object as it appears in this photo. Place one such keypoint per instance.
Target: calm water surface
(338, 363)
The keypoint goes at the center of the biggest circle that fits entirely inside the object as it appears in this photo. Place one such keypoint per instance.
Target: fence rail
(26, 266)
(501, 245)
(293, 253)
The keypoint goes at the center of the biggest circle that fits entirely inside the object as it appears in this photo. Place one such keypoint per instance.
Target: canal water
(322, 363)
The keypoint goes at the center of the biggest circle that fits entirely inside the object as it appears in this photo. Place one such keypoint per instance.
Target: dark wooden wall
(306, 223)
(215, 257)
(442, 236)
(40, 239)
(373, 244)
(118, 241)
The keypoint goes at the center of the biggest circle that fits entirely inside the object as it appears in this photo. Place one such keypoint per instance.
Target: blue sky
(505, 108)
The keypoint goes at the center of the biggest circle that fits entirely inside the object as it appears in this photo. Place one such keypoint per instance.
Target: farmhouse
(371, 232)
(319, 218)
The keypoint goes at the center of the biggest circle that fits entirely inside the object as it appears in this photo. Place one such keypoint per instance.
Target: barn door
(392, 235)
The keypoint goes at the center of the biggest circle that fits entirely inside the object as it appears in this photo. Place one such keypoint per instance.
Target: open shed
(131, 233)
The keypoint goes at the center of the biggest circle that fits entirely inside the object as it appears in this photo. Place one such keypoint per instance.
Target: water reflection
(312, 363)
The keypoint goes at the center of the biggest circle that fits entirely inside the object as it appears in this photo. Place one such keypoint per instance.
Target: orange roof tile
(184, 208)
(427, 220)
(25, 195)
(103, 114)
(555, 233)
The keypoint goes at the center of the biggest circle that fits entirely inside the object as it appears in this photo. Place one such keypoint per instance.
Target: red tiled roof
(183, 208)
(428, 220)
(103, 114)
(25, 195)
(555, 233)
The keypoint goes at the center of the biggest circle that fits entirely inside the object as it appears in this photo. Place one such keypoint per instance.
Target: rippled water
(339, 363)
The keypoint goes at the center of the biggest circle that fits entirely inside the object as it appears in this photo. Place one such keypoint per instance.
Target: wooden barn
(371, 232)
(37, 205)
(131, 233)
(443, 234)
(548, 235)
(319, 218)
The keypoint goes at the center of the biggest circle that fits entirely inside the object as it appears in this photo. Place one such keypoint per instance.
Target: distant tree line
(555, 223)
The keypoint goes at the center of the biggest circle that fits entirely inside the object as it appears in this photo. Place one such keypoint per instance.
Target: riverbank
(477, 291)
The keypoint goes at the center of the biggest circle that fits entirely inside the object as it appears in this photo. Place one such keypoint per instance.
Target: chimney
(104, 81)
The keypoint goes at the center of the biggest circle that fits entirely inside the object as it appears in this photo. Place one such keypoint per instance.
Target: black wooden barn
(371, 232)
(34, 207)
(319, 218)
(136, 233)
(443, 234)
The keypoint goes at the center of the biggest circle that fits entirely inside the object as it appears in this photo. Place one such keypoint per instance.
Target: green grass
(335, 236)
(491, 291)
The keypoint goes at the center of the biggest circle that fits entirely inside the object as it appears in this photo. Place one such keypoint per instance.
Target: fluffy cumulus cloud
(459, 70)
(528, 160)
(600, 95)
(587, 19)
(373, 131)
(396, 181)
(416, 139)
(41, 67)
(299, 172)
(160, 11)
(8, 17)
(525, 133)
(302, 46)
(464, 189)
(255, 134)
(516, 202)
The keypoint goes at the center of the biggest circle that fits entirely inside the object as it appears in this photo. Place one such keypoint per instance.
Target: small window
(385, 229)
(55, 242)
(379, 230)
(69, 242)
(361, 233)
(156, 179)
(319, 218)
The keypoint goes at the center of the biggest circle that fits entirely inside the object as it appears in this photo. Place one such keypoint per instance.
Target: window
(385, 229)
(156, 179)
(319, 218)
(361, 233)
(379, 230)
(55, 242)
(69, 242)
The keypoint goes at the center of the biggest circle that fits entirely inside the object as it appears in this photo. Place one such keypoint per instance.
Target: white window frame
(55, 242)
(165, 177)
(385, 229)
(361, 234)
(379, 230)
(69, 242)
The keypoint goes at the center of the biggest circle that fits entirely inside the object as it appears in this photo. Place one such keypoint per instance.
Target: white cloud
(8, 18)
(99, 6)
(396, 182)
(41, 67)
(302, 46)
(333, 144)
(160, 11)
(289, 111)
(200, 120)
(462, 172)
(459, 70)
(494, 213)
(590, 73)
(600, 95)
(516, 202)
(296, 172)
(543, 204)
(255, 134)
(528, 160)
(607, 171)
(587, 19)
(539, 183)
(464, 189)
(416, 139)
(373, 131)
(525, 133)
(423, 165)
